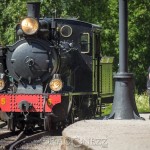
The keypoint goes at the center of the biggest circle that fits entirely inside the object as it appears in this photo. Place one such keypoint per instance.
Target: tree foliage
(101, 12)
(139, 40)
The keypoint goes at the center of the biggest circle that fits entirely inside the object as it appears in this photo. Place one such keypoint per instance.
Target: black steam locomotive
(54, 74)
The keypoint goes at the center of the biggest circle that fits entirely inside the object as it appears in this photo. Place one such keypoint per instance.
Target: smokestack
(33, 9)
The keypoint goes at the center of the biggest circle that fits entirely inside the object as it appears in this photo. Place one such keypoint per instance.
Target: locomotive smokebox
(33, 9)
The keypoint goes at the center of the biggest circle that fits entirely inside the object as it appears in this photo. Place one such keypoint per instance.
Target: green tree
(101, 12)
(11, 13)
(139, 41)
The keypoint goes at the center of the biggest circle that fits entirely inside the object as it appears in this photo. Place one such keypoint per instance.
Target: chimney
(33, 9)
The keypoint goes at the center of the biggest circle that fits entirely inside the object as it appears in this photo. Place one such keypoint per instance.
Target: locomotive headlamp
(56, 83)
(29, 26)
(2, 84)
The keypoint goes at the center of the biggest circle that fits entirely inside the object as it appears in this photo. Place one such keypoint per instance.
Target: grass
(142, 103)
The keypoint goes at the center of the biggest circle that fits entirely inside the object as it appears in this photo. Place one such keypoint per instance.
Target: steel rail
(3, 124)
(27, 139)
(8, 138)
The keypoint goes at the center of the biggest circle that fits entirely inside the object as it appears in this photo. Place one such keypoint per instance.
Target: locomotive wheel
(47, 123)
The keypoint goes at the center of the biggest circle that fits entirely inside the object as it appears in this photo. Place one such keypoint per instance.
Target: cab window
(85, 43)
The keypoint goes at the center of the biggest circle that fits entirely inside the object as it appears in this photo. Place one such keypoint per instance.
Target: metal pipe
(123, 35)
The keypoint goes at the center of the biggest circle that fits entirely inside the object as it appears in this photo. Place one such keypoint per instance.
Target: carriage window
(85, 43)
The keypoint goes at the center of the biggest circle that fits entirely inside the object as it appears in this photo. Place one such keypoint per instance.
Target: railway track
(27, 139)
(10, 140)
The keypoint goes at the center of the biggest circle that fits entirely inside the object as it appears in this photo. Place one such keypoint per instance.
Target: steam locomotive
(54, 74)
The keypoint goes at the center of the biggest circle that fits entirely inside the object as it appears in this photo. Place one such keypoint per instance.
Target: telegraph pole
(124, 106)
